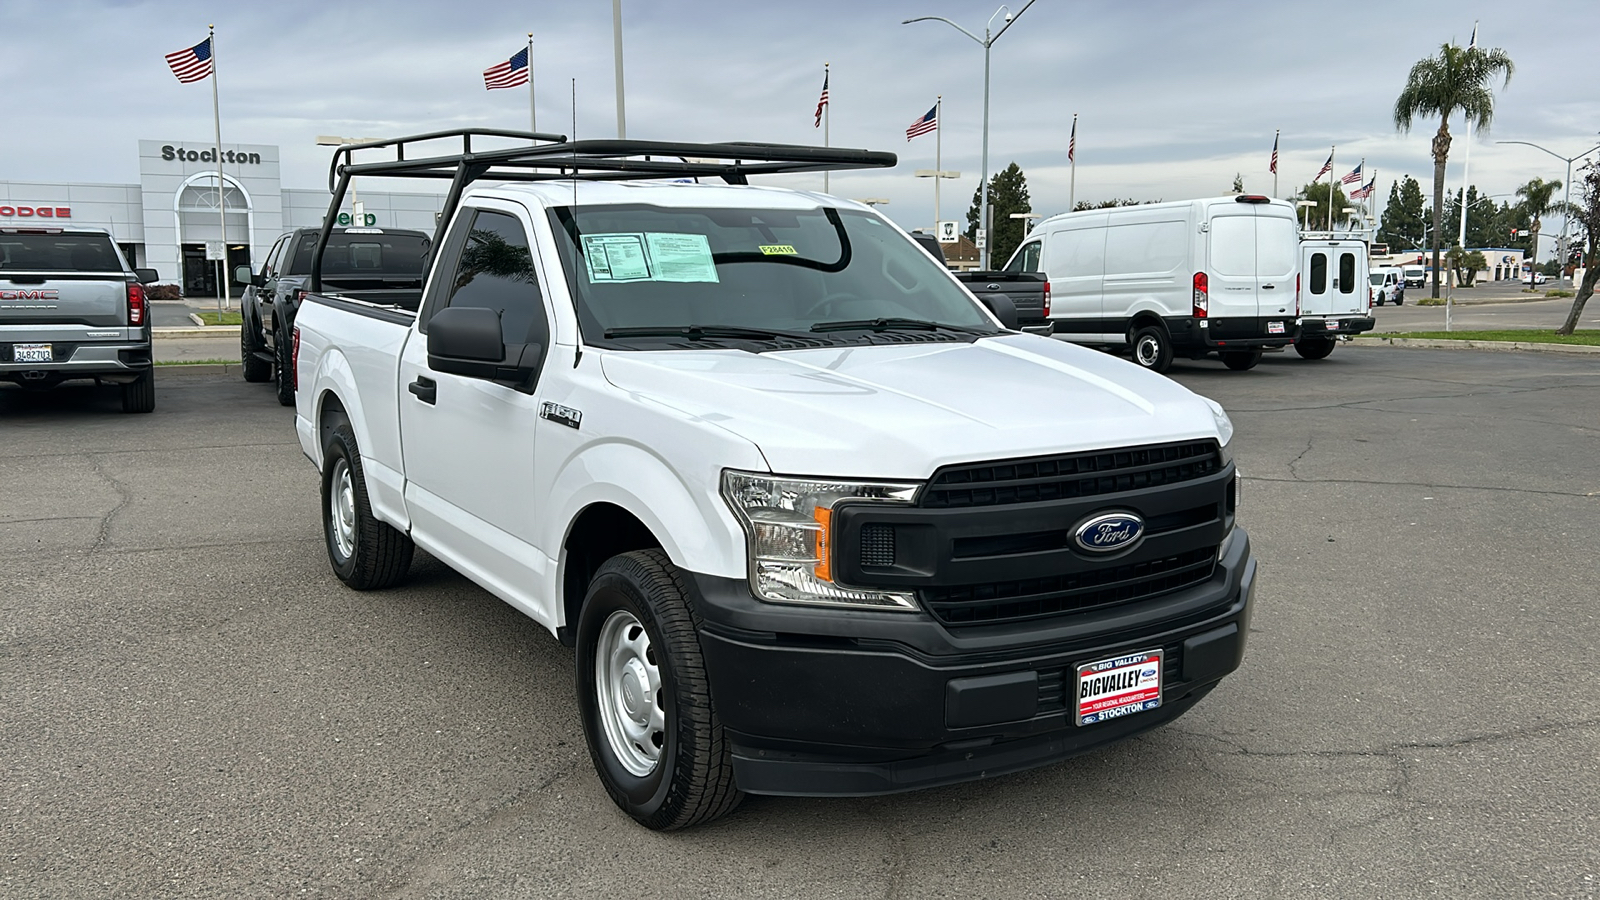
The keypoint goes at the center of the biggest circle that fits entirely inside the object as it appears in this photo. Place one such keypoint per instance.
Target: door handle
(1268, 287)
(425, 388)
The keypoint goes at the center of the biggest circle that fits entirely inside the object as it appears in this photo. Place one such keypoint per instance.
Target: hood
(902, 411)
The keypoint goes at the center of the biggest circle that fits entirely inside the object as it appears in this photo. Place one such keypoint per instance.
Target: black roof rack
(552, 157)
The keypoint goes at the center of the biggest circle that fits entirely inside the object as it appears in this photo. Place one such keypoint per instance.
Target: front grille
(1071, 475)
(1010, 601)
(877, 545)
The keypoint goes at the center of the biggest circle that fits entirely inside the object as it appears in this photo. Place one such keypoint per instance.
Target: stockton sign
(28, 212)
(169, 152)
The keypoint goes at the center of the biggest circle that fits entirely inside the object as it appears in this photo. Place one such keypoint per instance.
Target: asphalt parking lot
(195, 707)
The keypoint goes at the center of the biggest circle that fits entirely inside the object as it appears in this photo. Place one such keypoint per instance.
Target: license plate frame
(1275, 328)
(1127, 690)
(33, 353)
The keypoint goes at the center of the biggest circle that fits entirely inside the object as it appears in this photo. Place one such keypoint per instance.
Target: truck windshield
(639, 271)
(58, 253)
(388, 254)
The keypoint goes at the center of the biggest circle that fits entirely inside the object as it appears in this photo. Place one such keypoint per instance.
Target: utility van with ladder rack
(782, 483)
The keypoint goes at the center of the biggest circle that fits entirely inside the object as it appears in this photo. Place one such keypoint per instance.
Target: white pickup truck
(815, 520)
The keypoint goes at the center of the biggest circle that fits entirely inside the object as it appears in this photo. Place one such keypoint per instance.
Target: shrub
(164, 292)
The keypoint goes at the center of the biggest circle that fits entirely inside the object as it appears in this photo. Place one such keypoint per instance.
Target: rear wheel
(254, 367)
(1314, 348)
(285, 367)
(366, 553)
(140, 396)
(1399, 299)
(1152, 348)
(653, 734)
(1240, 360)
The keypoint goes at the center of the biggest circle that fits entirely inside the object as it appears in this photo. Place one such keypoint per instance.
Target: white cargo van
(1337, 298)
(1189, 278)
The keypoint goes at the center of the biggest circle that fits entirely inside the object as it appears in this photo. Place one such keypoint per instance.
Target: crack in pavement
(181, 449)
(104, 536)
(1310, 439)
(1420, 484)
(1395, 750)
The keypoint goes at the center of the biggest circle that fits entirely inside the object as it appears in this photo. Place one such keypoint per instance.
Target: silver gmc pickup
(70, 308)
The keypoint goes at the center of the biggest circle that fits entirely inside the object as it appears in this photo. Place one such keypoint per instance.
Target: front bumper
(846, 703)
(1352, 324)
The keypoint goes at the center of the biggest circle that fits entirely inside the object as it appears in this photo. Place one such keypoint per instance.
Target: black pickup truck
(378, 264)
(1026, 292)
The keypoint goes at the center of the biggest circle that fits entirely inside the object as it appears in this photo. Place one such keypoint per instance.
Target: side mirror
(243, 274)
(466, 340)
(1003, 309)
(147, 276)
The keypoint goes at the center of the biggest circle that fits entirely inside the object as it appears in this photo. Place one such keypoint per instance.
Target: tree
(1317, 217)
(1467, 265)
(1238, 182)
(1457, 80)
(1008, 193)
(1084, 205)
(1402, 218)
(1536, 201)
(1585, 210)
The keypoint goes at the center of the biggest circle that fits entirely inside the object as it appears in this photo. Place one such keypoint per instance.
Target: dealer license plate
(1331, 325)
(1112, 688)
(32, 353)
(1274, 328)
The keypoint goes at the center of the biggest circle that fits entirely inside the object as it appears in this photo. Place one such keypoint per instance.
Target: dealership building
(166, 220)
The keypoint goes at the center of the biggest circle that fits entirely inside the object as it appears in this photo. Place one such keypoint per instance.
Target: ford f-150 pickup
(71, 307)
(814, 520)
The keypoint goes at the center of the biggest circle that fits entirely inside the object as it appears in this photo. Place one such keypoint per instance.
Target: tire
(1399, 299)
(255, 369)
(666, 763)
(140, 396)
(1380, 299)
(1152, 348)
(284, 368)
(1314, 348)
(365, 553)
(1241, 360)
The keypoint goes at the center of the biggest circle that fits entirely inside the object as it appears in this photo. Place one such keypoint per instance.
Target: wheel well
(331, 417)
(1142, 320)
(600, 532)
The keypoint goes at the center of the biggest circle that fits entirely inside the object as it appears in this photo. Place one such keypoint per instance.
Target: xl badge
(1109, 531)
(566, 415)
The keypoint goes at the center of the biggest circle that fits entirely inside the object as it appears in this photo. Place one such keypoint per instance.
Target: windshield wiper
(893, 324)
(697, 332)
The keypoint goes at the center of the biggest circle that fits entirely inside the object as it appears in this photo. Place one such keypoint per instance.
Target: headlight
(788, 526)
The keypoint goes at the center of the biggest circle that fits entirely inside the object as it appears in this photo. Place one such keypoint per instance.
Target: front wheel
(1241, 360)
(366, 553)
(653, 734)
(285, 367)
(1152, 348)
(1314, 348)
(255, 368)
(1379, 301)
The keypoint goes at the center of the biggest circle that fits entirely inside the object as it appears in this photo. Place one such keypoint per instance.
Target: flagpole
(938, 156)
(1072, 179)
(222, 206)
(827, 111)
(533, 118)
(1275, 134)
(1332, 174)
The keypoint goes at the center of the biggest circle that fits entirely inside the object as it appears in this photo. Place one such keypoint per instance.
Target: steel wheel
(342, 508)
(628, 688)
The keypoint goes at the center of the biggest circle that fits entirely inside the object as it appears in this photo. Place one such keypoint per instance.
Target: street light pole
(987, 41)
(1566, 213)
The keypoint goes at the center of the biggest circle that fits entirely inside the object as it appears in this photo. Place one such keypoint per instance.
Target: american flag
(1354, 177)
(1072, 142)
(1365, 191)
(509, 74)
(1326, 167)
(823, 100)
(1272, 167)
(192, 64)
(924, 124)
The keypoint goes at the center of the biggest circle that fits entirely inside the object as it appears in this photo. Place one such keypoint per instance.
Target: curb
(197, 331)
(164, 370)
(1497, 346)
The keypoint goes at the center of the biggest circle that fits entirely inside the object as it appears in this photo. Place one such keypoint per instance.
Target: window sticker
(616, 257)
(681, 257)
(778, 249)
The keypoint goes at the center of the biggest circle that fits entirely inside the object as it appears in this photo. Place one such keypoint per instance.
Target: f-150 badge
(566, 415)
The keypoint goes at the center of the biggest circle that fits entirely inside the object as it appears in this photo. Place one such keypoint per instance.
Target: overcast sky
(1173, 98)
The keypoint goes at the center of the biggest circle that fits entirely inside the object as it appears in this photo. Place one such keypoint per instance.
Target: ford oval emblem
(1109, 531)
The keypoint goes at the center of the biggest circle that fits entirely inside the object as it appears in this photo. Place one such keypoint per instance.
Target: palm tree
(1457, 80)
(1536, 196)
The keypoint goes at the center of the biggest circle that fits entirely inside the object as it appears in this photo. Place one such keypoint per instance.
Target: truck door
(1232, 282)
(1074, 261)
(1277, 263)
(1316, 280)
(468, 443)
